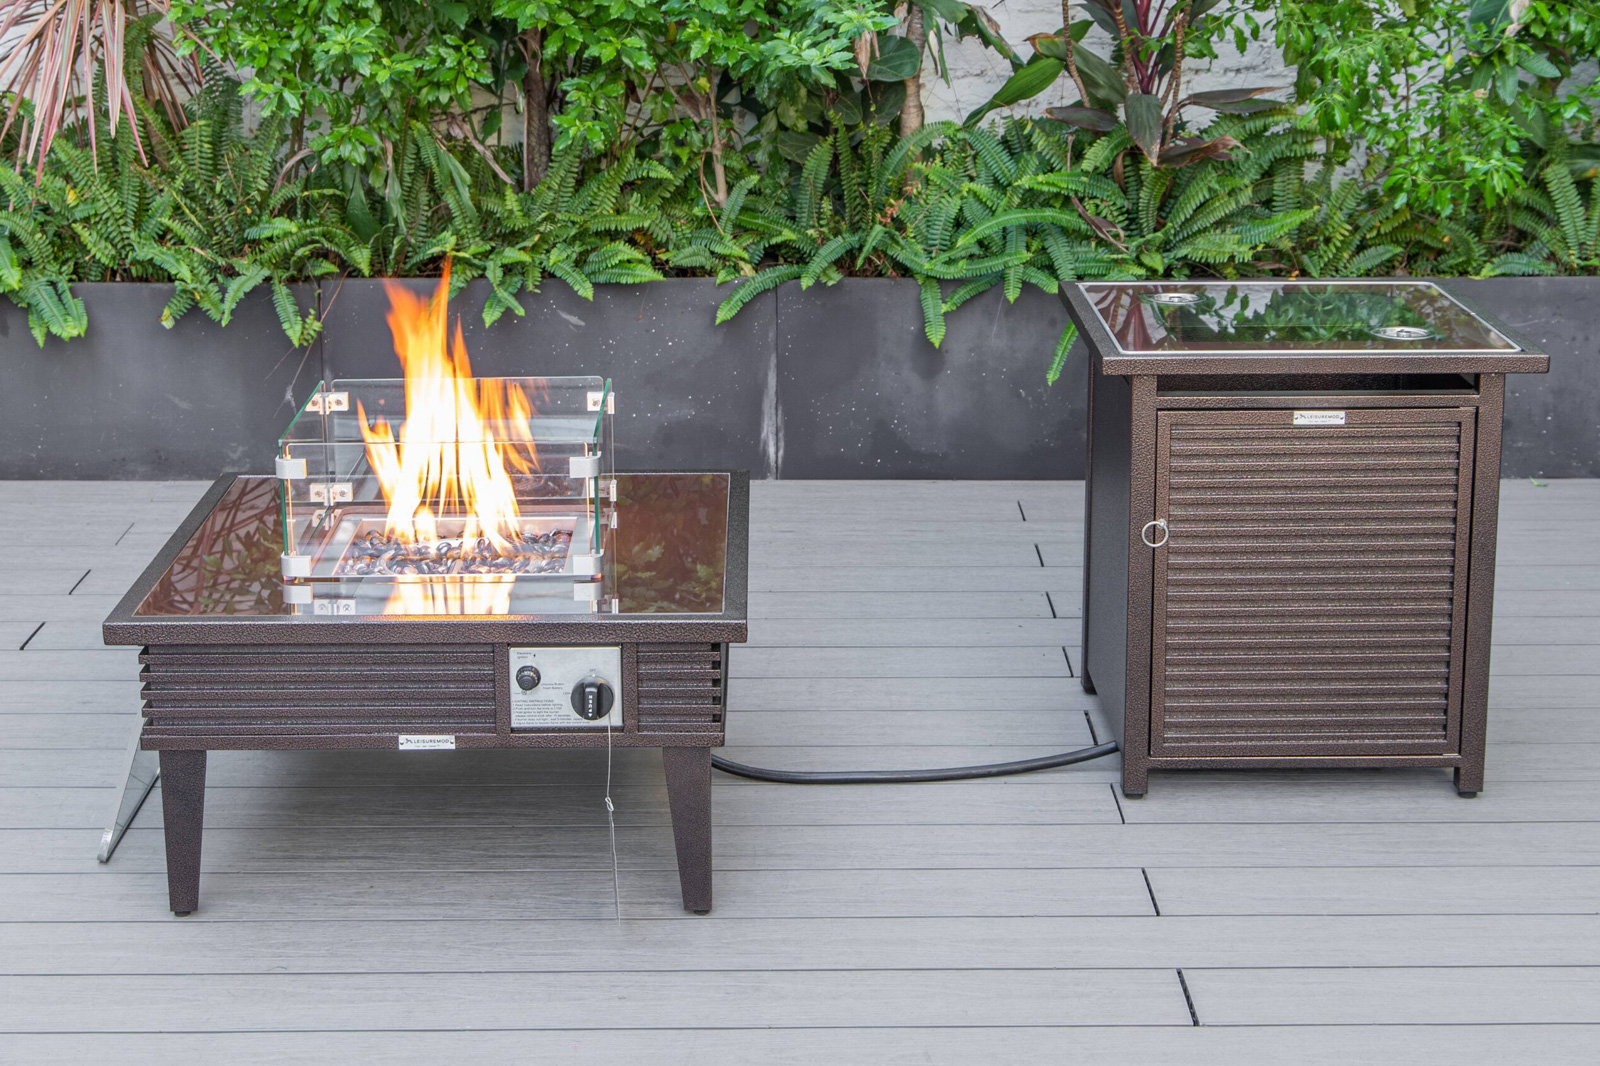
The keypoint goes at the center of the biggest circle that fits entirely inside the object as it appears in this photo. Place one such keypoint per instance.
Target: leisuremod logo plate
(1319, 418)
(427, 742)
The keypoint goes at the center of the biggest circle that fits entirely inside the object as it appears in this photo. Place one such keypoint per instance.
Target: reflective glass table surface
(1285, 317)
(669, 557)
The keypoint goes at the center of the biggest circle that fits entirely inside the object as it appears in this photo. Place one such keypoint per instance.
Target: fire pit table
(231, 663)
(440, 562)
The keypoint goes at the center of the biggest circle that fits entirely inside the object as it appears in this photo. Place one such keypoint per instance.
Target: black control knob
(592, 699)
(528, 678)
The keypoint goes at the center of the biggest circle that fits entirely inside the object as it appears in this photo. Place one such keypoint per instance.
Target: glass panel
(490, 477)
(666, 555)
(672, 543)
(1288, 316)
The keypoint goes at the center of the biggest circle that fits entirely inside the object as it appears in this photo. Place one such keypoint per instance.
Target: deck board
(375, 906)
(1339, 1045)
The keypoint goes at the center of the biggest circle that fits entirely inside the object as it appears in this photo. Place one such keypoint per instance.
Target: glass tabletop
(1285, 317)
(670, 549)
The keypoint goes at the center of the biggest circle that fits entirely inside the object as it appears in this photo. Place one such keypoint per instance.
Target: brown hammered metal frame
(218, 681)
(1134, 399)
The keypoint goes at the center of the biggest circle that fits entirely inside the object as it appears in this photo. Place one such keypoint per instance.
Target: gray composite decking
(447, 907)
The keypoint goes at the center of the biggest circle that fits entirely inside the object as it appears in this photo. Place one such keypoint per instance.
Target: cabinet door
(1310, 599)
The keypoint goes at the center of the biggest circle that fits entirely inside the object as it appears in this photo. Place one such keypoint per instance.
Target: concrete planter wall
(827, 382)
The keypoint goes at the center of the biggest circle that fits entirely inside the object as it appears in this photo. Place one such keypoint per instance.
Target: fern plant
(219, 212)
(963, 210)
(214, 213)
(1560, 232)
(584, 230)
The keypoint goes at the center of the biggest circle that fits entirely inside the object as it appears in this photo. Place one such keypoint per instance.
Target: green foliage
(1139, 88)
(345, 75)
(215, 214)
(1560, 224)
(444, 207)
(222, 212)
(1023, 206)
(756, 143)
(1452, 102)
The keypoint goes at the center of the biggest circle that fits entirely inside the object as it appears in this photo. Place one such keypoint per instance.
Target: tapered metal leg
(689, 793)
(1135, 779)
(183, 806)
(140, 772)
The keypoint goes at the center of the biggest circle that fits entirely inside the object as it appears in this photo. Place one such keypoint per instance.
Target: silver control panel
(566, 688)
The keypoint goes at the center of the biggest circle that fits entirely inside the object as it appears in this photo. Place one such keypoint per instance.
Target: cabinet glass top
(1285, 317)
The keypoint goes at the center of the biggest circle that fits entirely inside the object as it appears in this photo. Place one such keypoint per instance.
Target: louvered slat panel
(680, 688)
(1309, 596)
(240, 691)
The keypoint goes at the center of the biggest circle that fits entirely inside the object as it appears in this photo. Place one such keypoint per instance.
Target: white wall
(976, 72)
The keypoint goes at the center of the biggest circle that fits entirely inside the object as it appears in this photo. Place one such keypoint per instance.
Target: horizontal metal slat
(1289, 614)
(1326, 572)
(158, 730)
(339, 657)
(679, 688)
(1193, 431)
(1305, 525)
(344, 690)
(1326, 728)
(1363, 652)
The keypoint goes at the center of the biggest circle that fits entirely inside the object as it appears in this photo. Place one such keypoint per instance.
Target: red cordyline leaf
(54, 46)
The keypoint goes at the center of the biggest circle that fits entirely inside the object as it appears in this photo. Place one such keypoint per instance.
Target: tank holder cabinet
(1291, 508)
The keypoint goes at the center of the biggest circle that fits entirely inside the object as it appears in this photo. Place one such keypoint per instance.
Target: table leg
(183, 804)
(689, 793)
(1135, 777)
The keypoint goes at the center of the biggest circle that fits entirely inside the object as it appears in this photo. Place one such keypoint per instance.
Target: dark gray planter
(826, 382)
(861, 392)
(133, 400)
(1552, 426)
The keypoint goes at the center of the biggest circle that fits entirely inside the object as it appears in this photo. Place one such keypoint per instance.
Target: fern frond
(765, 281)
(932, 311)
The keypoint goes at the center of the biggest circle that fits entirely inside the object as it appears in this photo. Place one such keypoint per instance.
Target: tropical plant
(613, 77)
(50, 55)
(571, 229)
(347, 76)
(1140, 87)
(217, 217)
(814, 184)
(1451, 103)
(923, 28)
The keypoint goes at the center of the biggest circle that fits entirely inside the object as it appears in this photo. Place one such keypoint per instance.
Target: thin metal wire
(611, 819)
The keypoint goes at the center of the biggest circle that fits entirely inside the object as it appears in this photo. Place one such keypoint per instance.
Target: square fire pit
(235, 657)
(440, 561)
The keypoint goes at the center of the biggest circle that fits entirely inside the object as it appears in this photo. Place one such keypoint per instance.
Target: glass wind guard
(483, 478)
(1272, 317)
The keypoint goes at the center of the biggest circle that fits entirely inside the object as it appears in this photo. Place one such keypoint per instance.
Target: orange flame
(461, 438)
(484, 594)
(452, 458)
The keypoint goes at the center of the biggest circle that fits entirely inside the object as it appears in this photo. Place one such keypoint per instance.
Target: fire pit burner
(378, 554)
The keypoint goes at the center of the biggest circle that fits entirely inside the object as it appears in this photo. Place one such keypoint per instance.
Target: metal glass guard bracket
(141, 771)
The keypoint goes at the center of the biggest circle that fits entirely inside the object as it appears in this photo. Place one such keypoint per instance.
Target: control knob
(592, 698)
